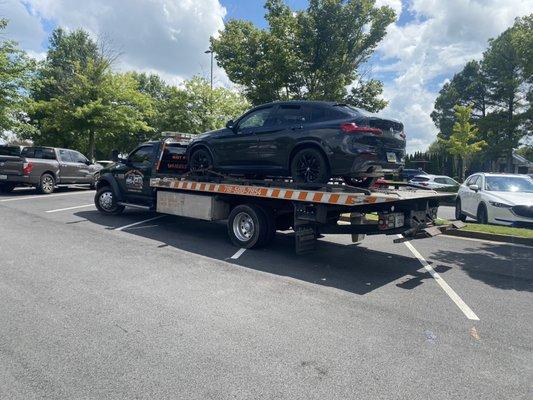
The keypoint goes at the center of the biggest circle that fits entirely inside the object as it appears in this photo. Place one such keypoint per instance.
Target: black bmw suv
(310, 141)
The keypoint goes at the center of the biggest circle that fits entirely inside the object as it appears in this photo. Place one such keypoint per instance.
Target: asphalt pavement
(141, 306)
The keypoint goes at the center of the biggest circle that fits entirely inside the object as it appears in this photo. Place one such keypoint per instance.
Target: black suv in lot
(310, 141)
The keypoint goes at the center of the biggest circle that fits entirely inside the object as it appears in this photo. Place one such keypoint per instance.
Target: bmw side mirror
(230, 124)
(475, 188)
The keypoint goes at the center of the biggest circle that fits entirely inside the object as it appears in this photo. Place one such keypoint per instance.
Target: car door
(236, 149)
(134, 176)
(277, 140)
(67, 167)
(468, 199)
(82, 172)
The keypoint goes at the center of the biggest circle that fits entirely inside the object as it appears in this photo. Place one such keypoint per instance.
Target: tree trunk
(91, 145)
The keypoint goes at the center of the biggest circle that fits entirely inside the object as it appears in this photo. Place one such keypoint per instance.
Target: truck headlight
(499, 205)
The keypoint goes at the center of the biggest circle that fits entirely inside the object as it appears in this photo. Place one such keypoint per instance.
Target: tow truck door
(134, 175)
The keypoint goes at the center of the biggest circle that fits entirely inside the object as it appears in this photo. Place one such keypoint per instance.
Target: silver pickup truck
(44, 167)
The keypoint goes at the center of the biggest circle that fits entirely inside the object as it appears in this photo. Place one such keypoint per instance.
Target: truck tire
(47, 184)
(309, 166)
(105, 202)
(271, 225)
(247, 226)
(7, 187)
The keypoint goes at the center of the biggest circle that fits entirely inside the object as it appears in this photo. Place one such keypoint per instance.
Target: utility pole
(210, 52)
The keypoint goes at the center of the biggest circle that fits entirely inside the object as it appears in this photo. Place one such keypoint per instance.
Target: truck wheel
(309, 166)
(6, 187)
(458, 212)
(247, 226)
(271, 225)
(46, 184)
(105, 202)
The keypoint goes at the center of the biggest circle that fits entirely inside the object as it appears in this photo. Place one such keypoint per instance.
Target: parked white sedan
(434, 181)
(505, 199)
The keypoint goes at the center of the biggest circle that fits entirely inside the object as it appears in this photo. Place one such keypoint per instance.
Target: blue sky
(429, 42)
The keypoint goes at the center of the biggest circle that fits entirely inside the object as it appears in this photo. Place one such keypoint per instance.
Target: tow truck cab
(130, 177)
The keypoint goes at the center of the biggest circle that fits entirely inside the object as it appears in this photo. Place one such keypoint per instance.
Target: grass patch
(495, 229)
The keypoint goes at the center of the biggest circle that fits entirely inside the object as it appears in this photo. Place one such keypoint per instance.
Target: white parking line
(467, 311)
(43, 196)
(238, 254)
(138, 223)
(70, 208)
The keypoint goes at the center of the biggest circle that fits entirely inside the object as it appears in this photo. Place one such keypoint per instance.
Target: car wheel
(309, 166)
(105, 201)
(458, 211)
(200, 160)
(482, 216)
(247, 226)
(6, 187)
(47, 184)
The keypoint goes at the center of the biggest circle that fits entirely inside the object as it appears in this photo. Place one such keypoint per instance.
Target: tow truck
(155, 177)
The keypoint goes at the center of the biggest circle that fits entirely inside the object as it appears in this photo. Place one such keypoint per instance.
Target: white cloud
(164, 36)
(396, 5)
(23, 27)
(443, 36)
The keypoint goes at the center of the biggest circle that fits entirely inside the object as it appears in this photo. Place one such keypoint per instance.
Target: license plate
(3, 177)
(391, 157)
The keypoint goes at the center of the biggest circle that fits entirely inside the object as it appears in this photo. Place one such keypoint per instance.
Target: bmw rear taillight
(27, 167)
(352, 127)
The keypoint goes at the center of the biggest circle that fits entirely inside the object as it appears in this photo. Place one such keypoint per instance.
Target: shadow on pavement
(501, 266)
(351, 268)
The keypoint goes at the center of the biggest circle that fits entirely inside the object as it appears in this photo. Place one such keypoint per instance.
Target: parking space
(88, 302)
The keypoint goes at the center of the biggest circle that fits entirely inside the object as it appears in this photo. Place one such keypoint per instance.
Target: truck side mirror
(114, 155)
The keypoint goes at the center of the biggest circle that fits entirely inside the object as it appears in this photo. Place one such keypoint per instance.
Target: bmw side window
(289, 115)
(256, 119)
(141, 157)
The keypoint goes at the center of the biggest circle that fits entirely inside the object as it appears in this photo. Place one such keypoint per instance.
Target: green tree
(366, 95)
(466, 87)
(15, 74)
(464, 141)
(310, 54)
(508, 93)
(210, 109)
(78, 100)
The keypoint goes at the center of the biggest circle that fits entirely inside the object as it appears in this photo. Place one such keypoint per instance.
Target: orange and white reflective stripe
(273, 193)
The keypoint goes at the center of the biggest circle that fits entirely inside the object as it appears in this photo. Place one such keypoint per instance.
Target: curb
(490, 236)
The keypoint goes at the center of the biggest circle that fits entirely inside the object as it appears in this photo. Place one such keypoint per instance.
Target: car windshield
(509, 184)
(420, 179)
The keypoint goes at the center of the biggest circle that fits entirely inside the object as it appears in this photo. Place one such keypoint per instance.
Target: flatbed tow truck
(256, 209)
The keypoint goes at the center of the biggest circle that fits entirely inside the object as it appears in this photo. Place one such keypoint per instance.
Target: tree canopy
(311, 54)
(15, 74)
